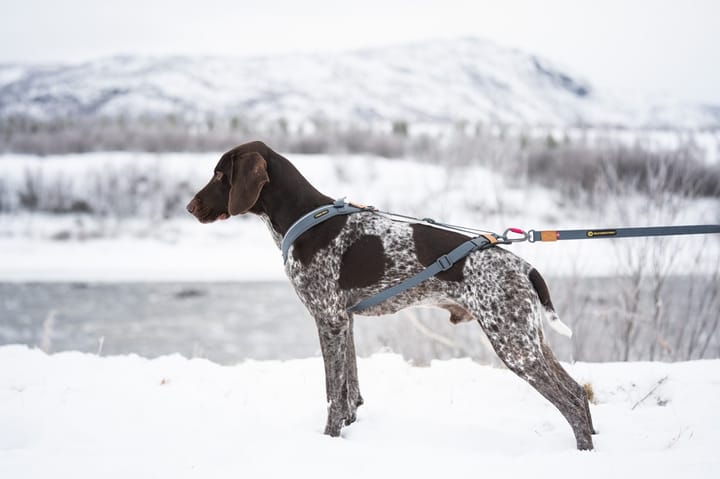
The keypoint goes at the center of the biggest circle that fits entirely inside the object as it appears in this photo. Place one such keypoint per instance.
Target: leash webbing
(559, 235)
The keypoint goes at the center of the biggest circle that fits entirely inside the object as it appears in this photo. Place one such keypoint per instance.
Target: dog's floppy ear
(247, 178)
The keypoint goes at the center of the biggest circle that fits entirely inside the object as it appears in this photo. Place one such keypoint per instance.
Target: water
(230, 322)
(224, 322)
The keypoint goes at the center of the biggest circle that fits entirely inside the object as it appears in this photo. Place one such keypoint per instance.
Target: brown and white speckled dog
(348, 258)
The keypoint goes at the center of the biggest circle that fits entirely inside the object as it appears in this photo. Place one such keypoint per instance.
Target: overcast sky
(632, 46)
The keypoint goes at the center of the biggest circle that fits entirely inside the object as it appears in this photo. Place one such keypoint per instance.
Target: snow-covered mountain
(434, 82)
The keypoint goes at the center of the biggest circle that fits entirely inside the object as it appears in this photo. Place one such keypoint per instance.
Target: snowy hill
(433, 82)
(85, 416)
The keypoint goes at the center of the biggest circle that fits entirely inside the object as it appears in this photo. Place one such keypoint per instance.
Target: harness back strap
(443, 263)
(314, 218)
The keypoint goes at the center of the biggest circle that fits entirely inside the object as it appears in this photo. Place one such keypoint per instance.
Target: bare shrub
(30, 191)
(5, 204)
(574, 170)
(128, 191)
(696, 335)
(647, 325)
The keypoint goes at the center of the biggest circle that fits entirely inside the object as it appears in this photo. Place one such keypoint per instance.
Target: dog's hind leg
(568, 382)
(340, 371)
(548, 311)
(517, 340)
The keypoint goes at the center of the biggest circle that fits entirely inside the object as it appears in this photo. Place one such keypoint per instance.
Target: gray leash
(558, 235)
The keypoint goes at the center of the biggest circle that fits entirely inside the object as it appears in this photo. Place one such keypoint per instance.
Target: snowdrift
(80, 415)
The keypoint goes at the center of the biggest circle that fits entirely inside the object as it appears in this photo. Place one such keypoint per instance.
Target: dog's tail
(548, 310)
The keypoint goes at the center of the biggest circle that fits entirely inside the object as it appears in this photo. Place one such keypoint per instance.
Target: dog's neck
(286, 197)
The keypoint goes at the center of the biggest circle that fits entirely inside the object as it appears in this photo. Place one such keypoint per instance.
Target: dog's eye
(219, 175)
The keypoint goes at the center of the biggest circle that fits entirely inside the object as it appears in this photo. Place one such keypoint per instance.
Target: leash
(559, 235)
(533, 236)
(482, 240)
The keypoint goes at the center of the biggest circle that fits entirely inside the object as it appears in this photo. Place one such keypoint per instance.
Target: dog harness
(341, 207)
(480, 242)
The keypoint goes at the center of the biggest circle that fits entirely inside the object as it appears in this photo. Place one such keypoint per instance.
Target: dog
(350, 257)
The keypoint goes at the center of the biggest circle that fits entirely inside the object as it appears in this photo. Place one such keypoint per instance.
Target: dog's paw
(332, 430)
(350, 419)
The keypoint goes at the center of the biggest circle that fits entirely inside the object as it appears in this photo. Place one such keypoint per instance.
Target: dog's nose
(192, 206)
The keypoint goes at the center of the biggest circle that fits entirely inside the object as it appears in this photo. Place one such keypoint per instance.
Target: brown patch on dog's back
(363, 263)
(431, 243)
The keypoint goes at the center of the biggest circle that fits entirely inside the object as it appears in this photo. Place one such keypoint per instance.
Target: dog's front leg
(334, 333)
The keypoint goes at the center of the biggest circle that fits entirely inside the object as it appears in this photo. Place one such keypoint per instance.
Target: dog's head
(234, 188)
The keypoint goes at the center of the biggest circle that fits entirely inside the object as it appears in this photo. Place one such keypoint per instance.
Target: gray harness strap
(443, 263)
(314, 218)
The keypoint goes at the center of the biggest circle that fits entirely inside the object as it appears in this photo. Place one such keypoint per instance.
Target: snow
(81, 415)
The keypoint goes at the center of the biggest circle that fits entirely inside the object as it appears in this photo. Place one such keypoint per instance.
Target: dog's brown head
(234, 188)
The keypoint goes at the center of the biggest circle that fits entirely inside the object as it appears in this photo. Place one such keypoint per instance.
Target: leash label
(549, 235)
(594, 233)
(321, 214)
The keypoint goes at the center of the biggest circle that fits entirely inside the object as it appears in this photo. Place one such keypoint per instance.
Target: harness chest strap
(341, 207)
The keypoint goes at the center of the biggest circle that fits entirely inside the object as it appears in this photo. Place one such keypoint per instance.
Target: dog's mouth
(213, 217)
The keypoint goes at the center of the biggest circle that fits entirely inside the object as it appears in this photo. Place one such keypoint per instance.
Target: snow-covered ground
(88, 248)
(86, 416)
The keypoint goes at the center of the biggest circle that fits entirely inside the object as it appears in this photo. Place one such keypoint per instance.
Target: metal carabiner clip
(523, 235)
